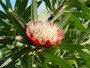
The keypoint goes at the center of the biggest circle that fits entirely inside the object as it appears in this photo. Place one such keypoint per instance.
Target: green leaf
(18, 22)
(4, 6)
(23, 5)
(27, 14)
(30, 62)
(8, 4)
(6, 62)
(85, 57)
(38, 3)
(7, 33)
(57, 60)
(59, 14)
(82, 15)
(86, 24)
(6, 29)
(53, 3)
(65, 20)
(85, 8)
(2, 46)
(70, 46)
(74, 3)
(17, 55)
(78, 24)
(86, 42)
(60, 6)
(2, 23)
(43, 61)
(17, 6)
(34, 14)
(47, 2)
(82, 1)
(27, 61)
(42, 16)
(3, 15)
(82, 38)
(52, 50)
(79, 6)
(5, 41)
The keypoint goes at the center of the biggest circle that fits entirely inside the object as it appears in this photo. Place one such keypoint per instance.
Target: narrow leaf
(8, 4)
(82, 1)
(13, 58)
(18, 22)
(85, 8)
(43, 61)
(4, 6)
(59, 14)
(77, 23)
(82, 15)
(3, 15)
(2, 23)
(47, 2)
(17, 6)
(34, 14)
(53, 3)
(70, 46)
(7, 33)
(62, 63)
(42, 16)
(26, 14)
(23, 5)
(86, 58)
(65, 20)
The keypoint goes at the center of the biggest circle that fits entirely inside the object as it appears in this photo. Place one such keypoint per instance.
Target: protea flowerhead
(44, 33)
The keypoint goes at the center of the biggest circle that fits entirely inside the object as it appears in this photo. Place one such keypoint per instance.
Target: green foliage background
(73, 17)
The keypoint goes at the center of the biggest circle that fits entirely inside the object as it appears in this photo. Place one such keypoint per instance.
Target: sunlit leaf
(65, 20)
(34, 15)
(62, 63)
(59, 14)
(77, 23)
(70, 46)
(82, 15)
(13, 58)
(42, 16)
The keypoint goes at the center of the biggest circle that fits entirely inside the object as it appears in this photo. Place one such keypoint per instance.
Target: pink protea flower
(44, 33)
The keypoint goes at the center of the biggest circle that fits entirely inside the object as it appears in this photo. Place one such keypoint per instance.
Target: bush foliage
(72, 16)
